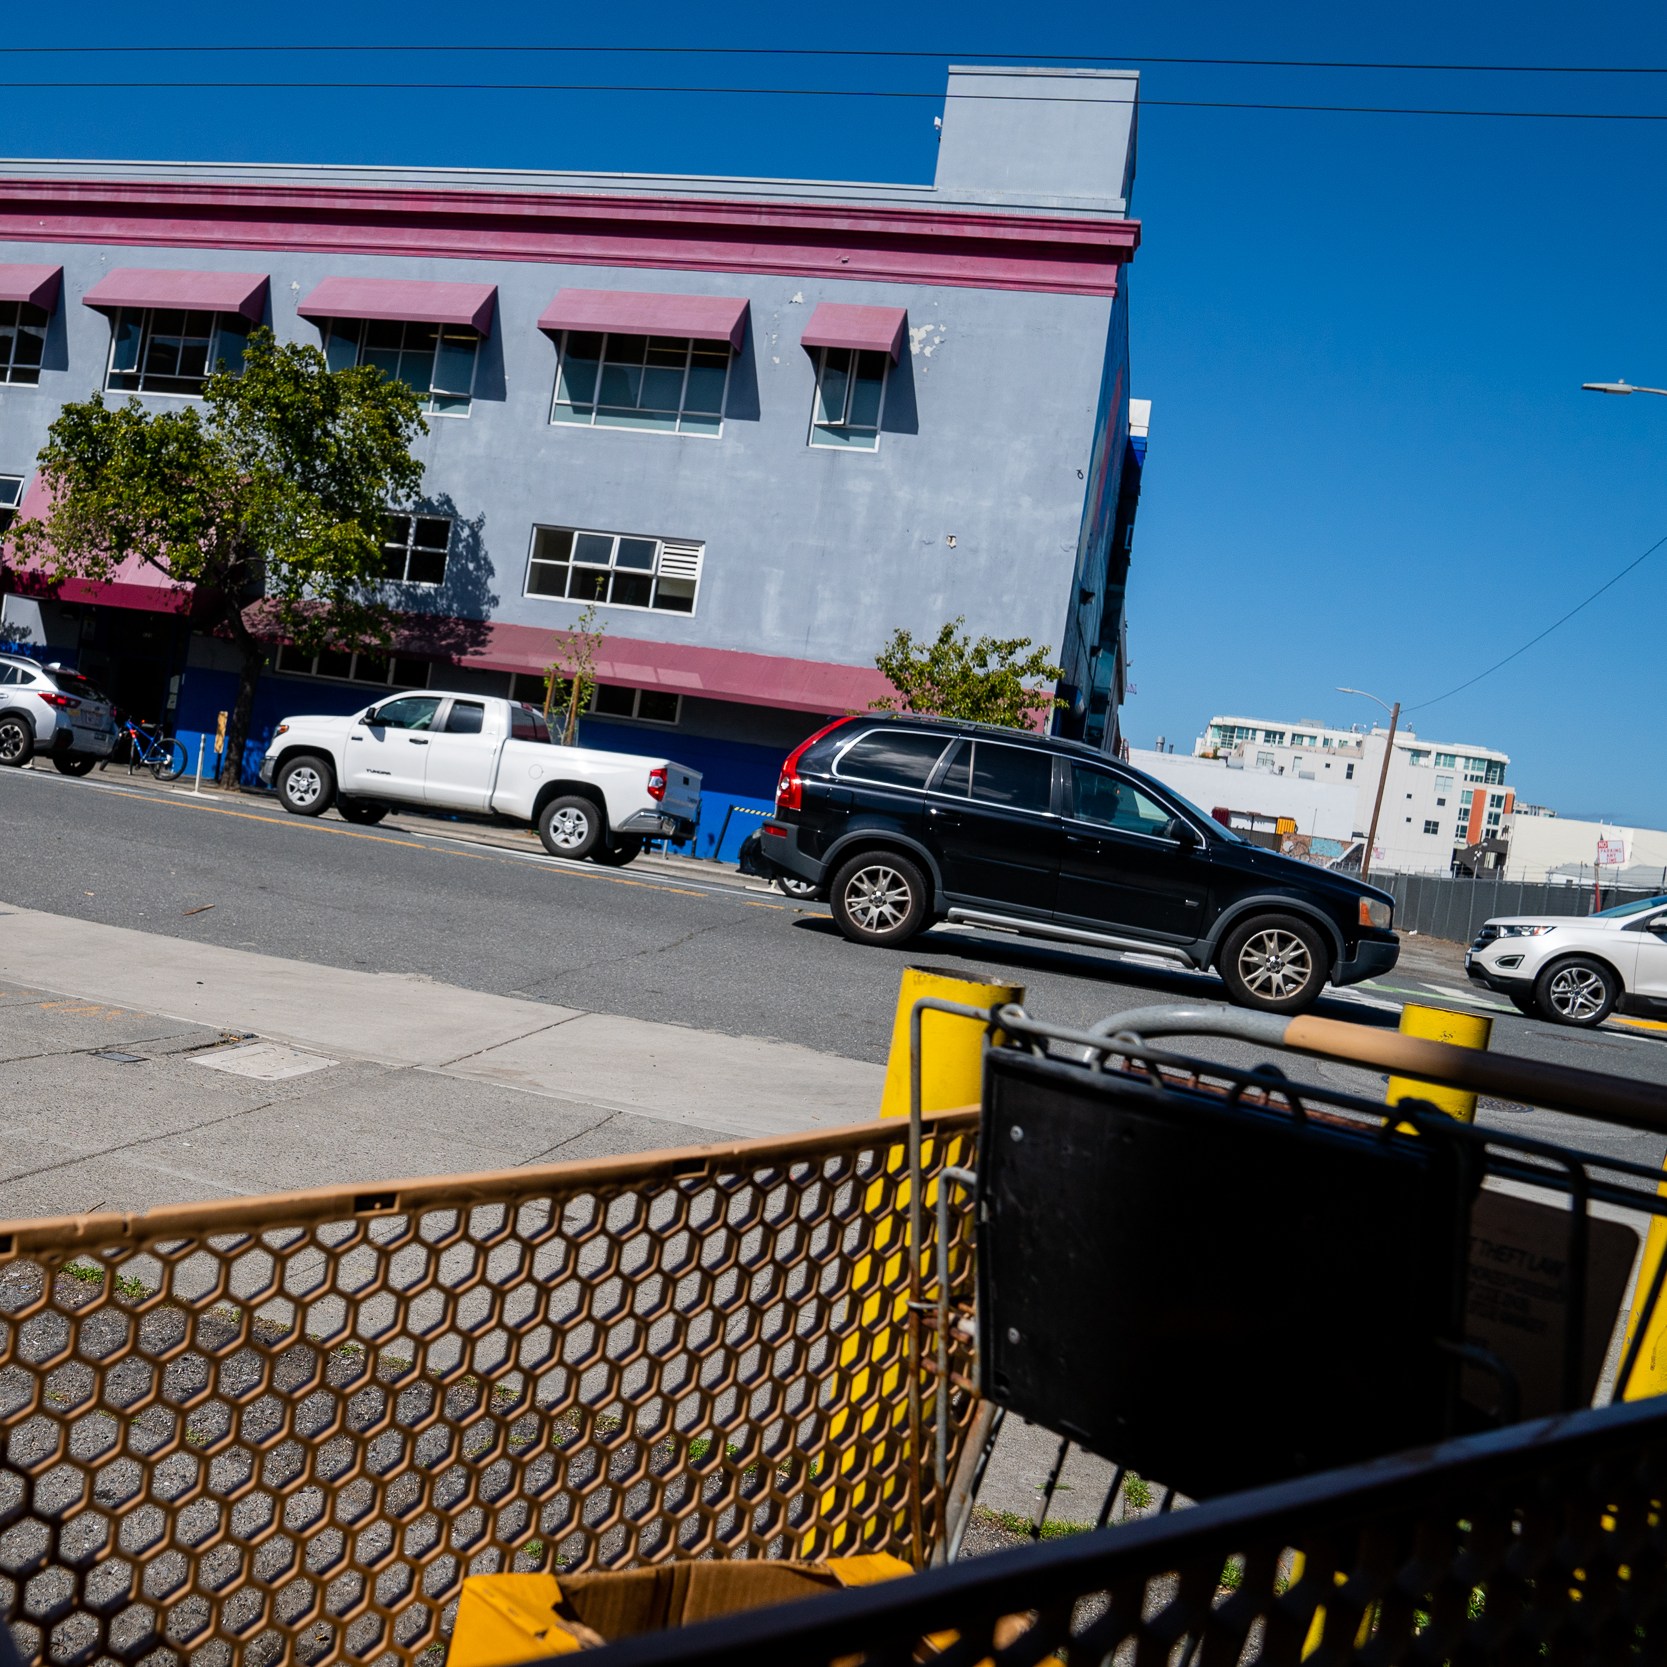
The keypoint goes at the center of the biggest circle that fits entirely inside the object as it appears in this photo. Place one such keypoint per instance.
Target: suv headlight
(1380, 915)
(1525, 931)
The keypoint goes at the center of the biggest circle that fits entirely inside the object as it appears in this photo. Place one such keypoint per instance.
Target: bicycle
(162, 755)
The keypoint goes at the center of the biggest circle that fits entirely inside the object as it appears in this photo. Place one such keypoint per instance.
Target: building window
(1301, 740)
(1348, 773)
(1432, 827)
(669, 383)
(648, 706)
(1273, 737)
(22, 341)
(414, 548)
(1420, 758)
(850, 394)
(155, 350)
(1444, 784)
(1265, 761)
(436, 361)
(11, 495)
(616, 568)
(1440, 803)
(342, 665)
(1446, 761)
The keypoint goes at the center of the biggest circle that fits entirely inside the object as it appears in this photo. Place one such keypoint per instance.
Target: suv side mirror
(1658, 926)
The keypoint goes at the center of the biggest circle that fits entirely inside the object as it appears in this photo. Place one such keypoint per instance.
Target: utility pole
(1383, 775)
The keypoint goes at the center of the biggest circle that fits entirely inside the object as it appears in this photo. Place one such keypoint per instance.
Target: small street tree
(571, 681)
(993, 680)
(268, 498)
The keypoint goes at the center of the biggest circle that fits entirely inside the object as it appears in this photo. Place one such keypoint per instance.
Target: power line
(1519, 652)
(1021, 57)
(826, 92)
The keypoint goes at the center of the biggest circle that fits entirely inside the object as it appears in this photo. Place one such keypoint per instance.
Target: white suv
(1577, 971)
(50, 710)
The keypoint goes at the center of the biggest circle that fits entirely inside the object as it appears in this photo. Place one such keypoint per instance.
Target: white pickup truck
(489, 756)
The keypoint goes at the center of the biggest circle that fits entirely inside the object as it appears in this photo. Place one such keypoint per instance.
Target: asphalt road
(647, 945)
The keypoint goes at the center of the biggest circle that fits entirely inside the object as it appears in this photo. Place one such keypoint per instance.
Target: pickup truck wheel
(570, 827)
(360, 813)
(306, 785)
(627, 848)
(1274, 964)
(879, 898)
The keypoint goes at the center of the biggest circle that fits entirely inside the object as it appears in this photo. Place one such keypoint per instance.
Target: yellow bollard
(1441, 1024)
(1649, 1374)
(951, 1047)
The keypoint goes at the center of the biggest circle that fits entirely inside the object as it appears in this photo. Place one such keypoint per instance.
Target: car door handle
(417, 741)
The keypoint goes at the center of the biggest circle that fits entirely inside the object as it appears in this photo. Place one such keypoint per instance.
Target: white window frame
(354, 330)
(817, 426)
(575, 419)
(11, 496)
(283, 665)
(411, 517)
(13, 329)
(147, 334)
(674, 558)
(635, 715)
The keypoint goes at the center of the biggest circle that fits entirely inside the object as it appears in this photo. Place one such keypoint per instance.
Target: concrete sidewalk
(325, 1075)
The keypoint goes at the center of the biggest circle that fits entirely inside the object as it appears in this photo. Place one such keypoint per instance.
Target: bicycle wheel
(167, 761)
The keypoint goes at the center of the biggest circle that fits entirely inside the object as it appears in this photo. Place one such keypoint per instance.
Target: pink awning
(35, 285)
(867, 329)
(627, 312)
(133, 583)
(728, 674)
(402, 301)
(199, 292)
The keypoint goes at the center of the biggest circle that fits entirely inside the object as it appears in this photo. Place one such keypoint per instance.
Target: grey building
(760, 423)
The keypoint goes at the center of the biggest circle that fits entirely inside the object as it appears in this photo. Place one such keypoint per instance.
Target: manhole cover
(117, 1058)
(266, 1061)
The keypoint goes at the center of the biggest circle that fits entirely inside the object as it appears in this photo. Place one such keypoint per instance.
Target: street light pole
(1621, 387)
(1383, 775)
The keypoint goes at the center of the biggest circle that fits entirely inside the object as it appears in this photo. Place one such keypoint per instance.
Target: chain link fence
(1440, 906)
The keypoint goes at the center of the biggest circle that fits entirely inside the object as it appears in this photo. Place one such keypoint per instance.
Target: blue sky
(1364, 336)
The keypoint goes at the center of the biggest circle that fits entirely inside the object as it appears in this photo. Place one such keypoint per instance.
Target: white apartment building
(1441, 796)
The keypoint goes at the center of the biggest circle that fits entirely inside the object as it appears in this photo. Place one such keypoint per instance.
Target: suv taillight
(656, 784)
(68, 702)
(790, 790)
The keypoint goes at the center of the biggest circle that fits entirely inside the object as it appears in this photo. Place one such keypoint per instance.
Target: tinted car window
(408, 712)
(10, 674)
(527, 725)
(958, 777)
(71, 684)
(465, 717)
(1109, 800)
(1016, 776)
(893, 758)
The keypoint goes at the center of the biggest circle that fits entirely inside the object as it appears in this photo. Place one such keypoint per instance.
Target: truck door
(462, 757)
(386, 756)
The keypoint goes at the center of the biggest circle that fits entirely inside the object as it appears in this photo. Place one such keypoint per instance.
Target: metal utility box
(1220, 1291)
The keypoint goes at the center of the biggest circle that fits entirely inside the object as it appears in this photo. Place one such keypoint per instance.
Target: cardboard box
(503, 1619)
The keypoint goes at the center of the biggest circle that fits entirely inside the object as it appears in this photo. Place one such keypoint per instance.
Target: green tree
(571, 681)
(995, 680)
(268, 498)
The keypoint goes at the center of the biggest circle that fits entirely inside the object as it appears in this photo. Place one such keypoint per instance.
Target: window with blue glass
(850, 395)
(436, 361)
(668, 383)
(163, 350)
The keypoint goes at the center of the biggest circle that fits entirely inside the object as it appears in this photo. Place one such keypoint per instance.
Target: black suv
(902, 821)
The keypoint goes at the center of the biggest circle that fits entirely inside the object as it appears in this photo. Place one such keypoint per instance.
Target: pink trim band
(35, 286)
(866, 329)
(403, 301)
(1050, 254)
(204, 292)
(642, 313)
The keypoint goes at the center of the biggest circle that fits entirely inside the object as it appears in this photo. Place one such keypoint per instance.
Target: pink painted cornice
(951, 246)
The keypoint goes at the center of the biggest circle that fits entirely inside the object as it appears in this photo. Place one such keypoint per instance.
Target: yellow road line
(420, 845)
(1641, 1024)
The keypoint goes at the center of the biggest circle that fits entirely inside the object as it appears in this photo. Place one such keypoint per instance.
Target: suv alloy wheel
(1275, 963)
(879, 897)
(1580, 991)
